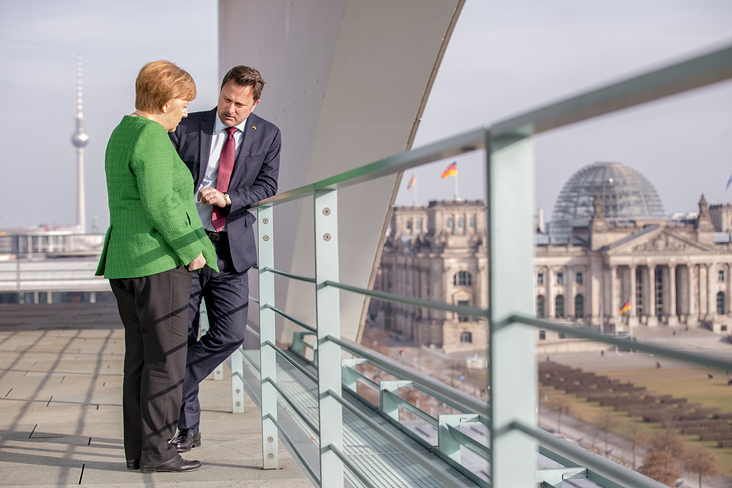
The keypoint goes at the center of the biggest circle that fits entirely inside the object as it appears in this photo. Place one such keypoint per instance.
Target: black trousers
(154, 311)
(227, 304)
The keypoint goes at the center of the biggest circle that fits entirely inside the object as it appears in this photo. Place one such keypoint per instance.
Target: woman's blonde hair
(159, 82)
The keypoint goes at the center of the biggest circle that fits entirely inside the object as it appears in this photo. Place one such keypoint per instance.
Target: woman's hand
(197, 263)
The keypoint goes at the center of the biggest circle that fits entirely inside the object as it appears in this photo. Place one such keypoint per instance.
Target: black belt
(215, 236)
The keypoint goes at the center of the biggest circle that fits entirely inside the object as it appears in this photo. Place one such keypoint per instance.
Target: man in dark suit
(210, 143)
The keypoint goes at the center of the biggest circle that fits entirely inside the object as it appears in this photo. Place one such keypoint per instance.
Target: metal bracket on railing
(388, 405)
(552, 478)
(300, 346)
(447, 443)
(349, 376)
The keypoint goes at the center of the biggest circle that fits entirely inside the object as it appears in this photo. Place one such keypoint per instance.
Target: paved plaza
(61, 412)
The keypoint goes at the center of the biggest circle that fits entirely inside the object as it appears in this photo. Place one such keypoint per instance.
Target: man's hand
(211, 196)
(197, 263)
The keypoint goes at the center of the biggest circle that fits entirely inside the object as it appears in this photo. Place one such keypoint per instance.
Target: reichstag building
(610, 258)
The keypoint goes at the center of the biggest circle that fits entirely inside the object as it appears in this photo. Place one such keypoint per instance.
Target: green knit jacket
(153, 222)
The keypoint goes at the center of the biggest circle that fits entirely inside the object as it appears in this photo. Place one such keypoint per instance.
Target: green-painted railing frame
(512, 360)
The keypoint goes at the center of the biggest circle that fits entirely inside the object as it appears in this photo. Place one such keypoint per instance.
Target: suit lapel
(206, 136)
(245, 148)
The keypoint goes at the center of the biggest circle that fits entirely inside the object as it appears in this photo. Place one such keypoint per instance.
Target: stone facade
(437, 253)
(671, 273)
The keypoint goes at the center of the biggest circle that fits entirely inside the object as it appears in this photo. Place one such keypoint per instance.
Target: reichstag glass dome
(626, 195)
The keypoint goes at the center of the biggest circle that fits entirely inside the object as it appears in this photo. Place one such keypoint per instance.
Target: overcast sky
(505, 57)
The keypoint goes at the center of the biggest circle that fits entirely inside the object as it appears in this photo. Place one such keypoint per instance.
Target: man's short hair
(245, 76)
(159, 82)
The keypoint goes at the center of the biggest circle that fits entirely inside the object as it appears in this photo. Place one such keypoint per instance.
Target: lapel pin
(254, 127)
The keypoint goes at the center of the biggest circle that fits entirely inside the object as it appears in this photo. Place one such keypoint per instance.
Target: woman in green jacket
(155, 239)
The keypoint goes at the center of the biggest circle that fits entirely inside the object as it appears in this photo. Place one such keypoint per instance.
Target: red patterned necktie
(226, 165)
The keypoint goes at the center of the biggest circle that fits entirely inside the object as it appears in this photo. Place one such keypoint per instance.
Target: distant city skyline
(505, 57)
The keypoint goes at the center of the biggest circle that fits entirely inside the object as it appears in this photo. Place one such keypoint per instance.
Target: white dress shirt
(212, 169)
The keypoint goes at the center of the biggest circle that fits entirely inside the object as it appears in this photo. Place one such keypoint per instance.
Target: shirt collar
(220, 127)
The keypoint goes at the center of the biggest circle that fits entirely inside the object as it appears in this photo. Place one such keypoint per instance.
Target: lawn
(691, 383)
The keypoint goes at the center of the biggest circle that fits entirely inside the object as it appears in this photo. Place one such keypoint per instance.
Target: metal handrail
(288, 275)
(291, 318)
(297, 410)
(690, 357)
(670, 80)
(287, 358)
(417, 302)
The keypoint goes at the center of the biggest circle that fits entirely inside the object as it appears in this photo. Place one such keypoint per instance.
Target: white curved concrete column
(347, 81)
(672, 317)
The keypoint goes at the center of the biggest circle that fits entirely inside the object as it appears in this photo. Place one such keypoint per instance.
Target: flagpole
(456, 185)
(414, 192)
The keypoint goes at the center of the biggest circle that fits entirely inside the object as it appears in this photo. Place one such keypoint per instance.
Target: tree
(607, 422)
(702, 461)
(661, 466)
(667, 440)
(637, 439)
(560, 405)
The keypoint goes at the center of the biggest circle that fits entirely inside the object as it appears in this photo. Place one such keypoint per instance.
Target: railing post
(237, 381)
(446, 442)
(327, 310)
(513, 375)
(268, 356)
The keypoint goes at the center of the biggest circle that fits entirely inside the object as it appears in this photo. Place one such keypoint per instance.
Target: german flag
(411, 182)
(625, 308)
(450, 171)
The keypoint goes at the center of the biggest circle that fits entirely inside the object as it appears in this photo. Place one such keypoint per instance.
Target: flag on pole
(412, 182)
(728, 183)
(450, 171)
(625, 308)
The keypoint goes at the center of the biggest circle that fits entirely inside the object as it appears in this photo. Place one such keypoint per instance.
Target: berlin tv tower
(80, 139)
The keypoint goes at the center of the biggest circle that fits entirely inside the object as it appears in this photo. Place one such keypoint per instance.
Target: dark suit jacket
(254, 177)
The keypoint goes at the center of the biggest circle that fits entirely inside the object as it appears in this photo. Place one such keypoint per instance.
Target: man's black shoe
(186, 439)
(175, 465)
(133, 464)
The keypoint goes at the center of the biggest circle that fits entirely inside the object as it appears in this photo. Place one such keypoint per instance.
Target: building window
(462, 278)
(472, 222)
(540, 307)
(579, 277)
(419, 224)
(540, 279)
(463, 318)
(559, 307)
(579, 306)
(638, 293)
(720, 303)
(721, 275)
(461, 222)
(560, 278)
(659, 291)
(409, 224)
(466, 337)
(542, 335)
(449, 223)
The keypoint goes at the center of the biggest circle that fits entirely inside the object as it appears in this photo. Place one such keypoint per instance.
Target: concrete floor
(61, 413)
